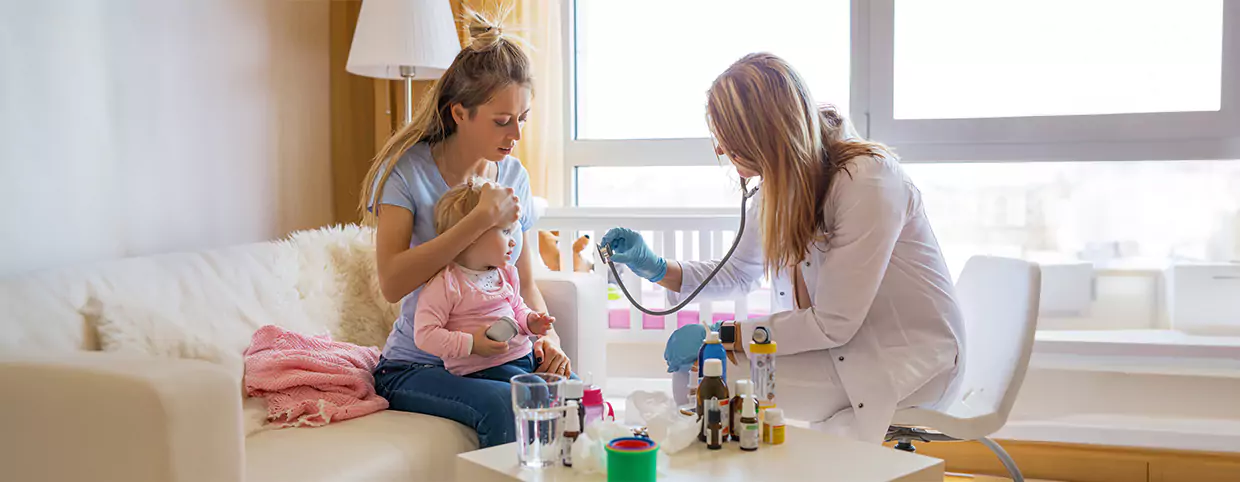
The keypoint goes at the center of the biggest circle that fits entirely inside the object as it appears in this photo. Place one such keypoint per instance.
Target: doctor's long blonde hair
(765, 120)
(490, 61)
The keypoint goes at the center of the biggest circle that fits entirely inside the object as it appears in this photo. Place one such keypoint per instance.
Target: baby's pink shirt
(451, 307)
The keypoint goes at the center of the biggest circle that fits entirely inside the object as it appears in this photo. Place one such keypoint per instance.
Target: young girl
(474, 291)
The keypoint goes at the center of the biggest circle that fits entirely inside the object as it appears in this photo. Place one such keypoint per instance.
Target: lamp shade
(403, 33)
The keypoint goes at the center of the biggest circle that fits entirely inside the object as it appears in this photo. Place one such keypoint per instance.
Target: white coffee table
(806, 455)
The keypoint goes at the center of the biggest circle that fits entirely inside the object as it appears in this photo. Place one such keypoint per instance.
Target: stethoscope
(605, 253)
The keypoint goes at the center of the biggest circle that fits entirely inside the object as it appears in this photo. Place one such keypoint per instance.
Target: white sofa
(130, 370)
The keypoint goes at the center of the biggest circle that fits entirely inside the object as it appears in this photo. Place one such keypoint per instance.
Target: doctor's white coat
(883, 321)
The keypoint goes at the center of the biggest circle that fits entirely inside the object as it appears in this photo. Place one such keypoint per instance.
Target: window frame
(1106, 137)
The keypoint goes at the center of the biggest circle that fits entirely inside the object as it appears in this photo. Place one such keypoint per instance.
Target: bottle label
(777, 434)
(762, 374)
(727, 425)
(749, 435)
(714, 439)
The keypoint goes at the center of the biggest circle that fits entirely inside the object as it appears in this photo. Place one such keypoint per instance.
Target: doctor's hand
(628, 248)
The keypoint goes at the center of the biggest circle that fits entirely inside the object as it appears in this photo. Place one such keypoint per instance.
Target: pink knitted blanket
(310, 380)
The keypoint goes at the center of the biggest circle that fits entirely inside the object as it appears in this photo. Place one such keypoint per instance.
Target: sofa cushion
(339, 286)
(387, 445)
(142, 329)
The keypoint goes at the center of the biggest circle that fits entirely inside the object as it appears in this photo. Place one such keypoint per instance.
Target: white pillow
(149, 331)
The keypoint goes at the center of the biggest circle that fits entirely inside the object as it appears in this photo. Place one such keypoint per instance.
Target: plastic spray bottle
(572, 429)
(712, 348)
(748, 428)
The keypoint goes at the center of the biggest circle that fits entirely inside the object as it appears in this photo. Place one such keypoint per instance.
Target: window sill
(1163, 352)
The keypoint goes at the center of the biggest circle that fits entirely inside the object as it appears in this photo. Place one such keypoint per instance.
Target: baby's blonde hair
(456, 203)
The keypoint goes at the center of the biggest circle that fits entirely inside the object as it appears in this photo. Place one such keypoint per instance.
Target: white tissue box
(1067, 289)
(1204, 299)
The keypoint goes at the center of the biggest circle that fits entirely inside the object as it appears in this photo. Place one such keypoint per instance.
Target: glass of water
(537, 402)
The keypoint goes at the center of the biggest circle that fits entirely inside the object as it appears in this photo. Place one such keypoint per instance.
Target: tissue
(589, 452)
(657, 412)
(662, 418)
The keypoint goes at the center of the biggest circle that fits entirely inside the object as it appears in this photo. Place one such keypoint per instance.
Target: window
(643, 66)
(1081, 129)
(1055, 57)
(1058, 80)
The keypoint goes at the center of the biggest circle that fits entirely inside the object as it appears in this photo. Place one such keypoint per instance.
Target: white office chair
(999, 298)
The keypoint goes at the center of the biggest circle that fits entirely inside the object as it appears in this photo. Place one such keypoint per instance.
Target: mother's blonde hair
(490, 61)
(763, 116)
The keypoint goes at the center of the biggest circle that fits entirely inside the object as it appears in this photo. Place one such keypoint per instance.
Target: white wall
(130, 127)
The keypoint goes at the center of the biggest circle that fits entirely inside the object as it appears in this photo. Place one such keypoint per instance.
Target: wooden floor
(1085, 463)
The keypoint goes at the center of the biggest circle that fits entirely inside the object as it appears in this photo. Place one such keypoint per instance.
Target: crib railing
(690, 234)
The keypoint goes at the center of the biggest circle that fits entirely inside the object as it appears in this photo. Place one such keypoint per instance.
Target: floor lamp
(404, 40)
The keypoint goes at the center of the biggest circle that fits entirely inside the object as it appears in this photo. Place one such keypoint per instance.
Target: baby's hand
(540, 323)
(484, 346)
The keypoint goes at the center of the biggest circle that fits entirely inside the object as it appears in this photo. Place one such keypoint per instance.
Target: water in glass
(537, 402)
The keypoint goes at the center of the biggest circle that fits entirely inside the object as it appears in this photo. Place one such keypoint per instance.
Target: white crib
(680, 234)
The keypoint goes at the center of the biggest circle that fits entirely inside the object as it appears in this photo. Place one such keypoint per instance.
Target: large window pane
(643, 66)
(1011, 58)
(1096, 211)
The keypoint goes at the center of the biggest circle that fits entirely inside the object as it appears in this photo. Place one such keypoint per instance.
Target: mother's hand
(553, 358)
(501, 204)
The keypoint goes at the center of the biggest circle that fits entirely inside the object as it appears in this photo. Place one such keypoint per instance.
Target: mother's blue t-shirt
(415, 184)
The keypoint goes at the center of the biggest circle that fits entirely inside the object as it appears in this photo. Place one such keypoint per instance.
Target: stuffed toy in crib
(548, 249)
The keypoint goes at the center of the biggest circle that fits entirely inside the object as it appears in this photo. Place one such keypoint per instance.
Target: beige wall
(131, 127)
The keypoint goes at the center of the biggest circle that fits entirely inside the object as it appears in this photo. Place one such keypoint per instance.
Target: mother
(468, 127)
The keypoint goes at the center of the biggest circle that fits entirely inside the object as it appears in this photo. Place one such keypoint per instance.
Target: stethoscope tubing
(605, 253)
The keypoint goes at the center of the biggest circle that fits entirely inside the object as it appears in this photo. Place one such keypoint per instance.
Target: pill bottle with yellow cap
(773, 427)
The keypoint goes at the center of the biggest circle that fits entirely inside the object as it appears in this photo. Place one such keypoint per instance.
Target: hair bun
(831, 114)
(484, 31)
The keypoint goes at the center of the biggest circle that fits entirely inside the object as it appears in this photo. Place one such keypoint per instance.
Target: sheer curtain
(542, 146)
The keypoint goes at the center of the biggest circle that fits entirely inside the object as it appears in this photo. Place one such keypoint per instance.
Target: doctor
(866, 319)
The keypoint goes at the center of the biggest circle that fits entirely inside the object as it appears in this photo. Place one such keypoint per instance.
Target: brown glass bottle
(712, 386)
(741, 389)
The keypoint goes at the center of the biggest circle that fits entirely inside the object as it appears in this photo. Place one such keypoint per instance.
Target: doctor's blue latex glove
(682, 347)
(630, 249)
